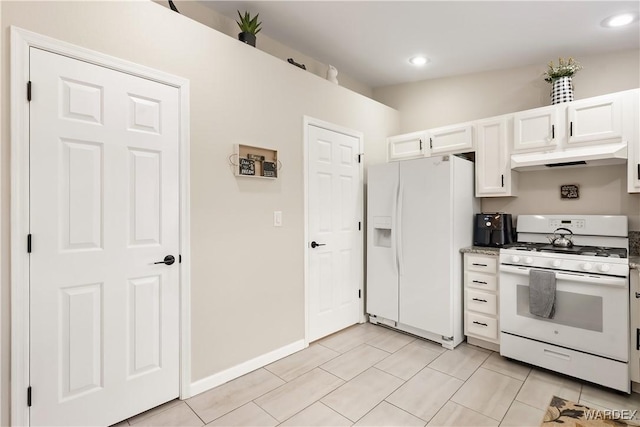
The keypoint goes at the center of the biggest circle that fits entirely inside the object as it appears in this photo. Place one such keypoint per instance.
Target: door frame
(310, 121)
(21, 41)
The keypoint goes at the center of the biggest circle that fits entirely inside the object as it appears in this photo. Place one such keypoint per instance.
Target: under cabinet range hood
(597, 155)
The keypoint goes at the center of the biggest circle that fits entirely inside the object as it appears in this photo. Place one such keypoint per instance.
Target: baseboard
(222, 377)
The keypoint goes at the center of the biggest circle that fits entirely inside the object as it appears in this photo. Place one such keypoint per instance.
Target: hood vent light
(557, 165)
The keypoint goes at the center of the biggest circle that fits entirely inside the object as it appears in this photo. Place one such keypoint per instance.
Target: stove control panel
(580, 264)
(571, 224)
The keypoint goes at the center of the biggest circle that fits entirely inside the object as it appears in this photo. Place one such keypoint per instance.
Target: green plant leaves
(248, 24)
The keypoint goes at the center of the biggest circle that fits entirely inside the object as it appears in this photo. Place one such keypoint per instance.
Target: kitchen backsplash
(634, 243)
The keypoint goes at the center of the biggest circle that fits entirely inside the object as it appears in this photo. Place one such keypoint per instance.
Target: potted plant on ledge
(249, 27)
(560, 78)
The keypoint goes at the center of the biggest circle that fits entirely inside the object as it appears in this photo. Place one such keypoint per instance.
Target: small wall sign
(247, 167)
(569, 191)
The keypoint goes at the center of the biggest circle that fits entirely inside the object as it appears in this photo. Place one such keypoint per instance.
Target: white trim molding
(222, 377)
(21, 42)
(310, 121)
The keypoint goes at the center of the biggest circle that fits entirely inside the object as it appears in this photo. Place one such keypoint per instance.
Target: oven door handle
(600, 280)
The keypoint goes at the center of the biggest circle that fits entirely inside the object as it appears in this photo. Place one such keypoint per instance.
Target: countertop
(483, 250)
(634, 261)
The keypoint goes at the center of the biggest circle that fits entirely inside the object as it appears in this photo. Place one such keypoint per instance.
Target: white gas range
(584, 282)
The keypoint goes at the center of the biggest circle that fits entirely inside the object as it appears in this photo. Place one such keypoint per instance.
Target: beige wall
(445, 101)
(247, 300)
(440, 102)
(228, 26)
(603, 191)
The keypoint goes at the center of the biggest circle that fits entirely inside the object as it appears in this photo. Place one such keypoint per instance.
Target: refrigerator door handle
(399, 253)
(394, 228)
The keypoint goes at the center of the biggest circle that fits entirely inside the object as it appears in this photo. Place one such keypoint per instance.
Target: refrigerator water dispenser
(382, 231)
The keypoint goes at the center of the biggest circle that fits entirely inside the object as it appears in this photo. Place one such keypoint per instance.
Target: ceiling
(372, 41)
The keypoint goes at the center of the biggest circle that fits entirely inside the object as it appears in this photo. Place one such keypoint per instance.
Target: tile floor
(368, 375)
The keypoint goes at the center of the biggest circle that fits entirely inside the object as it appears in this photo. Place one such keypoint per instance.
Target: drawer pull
(479, 265)
(480, 300)
(556, 354)
(478, 281)
(480, 323)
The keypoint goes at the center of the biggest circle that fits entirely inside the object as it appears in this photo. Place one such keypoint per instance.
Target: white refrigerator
(420, 214)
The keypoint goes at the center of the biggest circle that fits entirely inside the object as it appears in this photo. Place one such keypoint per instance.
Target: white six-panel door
(334, 212)
(104, 207)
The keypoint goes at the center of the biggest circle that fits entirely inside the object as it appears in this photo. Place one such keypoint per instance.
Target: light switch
(277, 218)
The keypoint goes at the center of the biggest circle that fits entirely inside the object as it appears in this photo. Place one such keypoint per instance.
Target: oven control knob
(515, 258)
(587, 266)
(556, 263)
(528, 260)
(604, 267)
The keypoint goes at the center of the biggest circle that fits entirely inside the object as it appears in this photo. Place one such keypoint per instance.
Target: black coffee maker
(492, 229)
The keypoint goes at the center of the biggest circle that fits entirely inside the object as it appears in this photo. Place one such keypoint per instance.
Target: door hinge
(29, 90)
(359, 226)
(29, 396)
(29, 243)
(359, 293)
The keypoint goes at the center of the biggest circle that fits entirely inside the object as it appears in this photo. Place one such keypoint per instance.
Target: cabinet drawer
(481, 326)
(483, 264)
(487, 282)
(481, 302)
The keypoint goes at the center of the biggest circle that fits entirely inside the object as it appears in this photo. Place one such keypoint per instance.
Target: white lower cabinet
(481, 296)
(634, 312)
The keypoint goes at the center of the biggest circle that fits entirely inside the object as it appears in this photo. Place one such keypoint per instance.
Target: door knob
(169, 259)
(315, 245)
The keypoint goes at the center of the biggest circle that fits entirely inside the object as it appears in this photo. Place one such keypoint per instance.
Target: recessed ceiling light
(619, 20)
(419, 60)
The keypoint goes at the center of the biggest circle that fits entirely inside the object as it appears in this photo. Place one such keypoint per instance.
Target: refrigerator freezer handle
(399, 255)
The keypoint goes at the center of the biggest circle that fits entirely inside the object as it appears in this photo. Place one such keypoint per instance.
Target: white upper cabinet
(407, 146)
(451, 139)
(631, 131)
(494, 177)
(596, 119)
(536, 129)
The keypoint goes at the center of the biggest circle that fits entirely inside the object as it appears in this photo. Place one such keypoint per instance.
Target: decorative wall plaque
(569, 191)
(247, 167)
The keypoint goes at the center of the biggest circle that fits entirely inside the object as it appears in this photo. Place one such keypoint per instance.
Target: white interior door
(334, 220)
(104, 208)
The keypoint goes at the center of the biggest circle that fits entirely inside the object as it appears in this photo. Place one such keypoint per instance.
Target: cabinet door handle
(478, 281)
(483, 324)
(502, 180)
(637, 339)
(480, 300)
(553, 131)
(431, 143)
(570, 128)
(421, 145)
(479, 265)
(638, 170)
